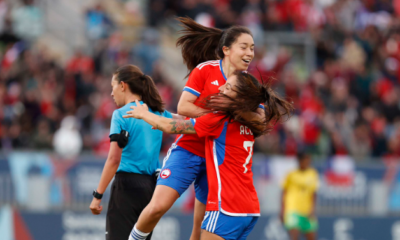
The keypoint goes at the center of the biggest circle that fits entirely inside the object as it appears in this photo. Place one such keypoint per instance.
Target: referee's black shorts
(130, 194)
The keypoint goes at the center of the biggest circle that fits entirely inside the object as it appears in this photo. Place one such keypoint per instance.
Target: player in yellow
(299, 200)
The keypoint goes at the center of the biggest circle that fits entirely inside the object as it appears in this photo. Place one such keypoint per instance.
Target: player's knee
(157, 210)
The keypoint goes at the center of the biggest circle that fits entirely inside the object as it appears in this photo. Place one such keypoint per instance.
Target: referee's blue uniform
(135, 180)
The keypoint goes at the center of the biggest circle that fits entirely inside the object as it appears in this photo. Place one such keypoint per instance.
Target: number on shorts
(247, 145)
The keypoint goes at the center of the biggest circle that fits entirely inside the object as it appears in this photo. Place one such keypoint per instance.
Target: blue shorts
(181, 168)
(228, 227)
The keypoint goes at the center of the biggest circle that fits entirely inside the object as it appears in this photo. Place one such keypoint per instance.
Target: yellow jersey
(300, 187)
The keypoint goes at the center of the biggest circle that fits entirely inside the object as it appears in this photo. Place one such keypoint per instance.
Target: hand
(95, 206)
(220, 101)
(138, 111)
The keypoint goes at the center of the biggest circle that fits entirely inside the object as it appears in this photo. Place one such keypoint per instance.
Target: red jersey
(203, 81)
(229, 150)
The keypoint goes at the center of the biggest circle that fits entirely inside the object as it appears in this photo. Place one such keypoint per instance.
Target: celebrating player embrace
(232, 204)
(211, 56)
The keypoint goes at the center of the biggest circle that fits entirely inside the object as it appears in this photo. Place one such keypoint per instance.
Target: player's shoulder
(313, 171)
(118, 112)
(292, 172)
(208, 65)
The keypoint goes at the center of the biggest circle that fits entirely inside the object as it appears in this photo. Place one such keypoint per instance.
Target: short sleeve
(286, 182)
(195, 83)
(167, 114)
(209, 125)
(117, 123)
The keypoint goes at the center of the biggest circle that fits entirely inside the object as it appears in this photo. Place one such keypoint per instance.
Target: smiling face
(117, 92)
(229, 87)
(241, 52)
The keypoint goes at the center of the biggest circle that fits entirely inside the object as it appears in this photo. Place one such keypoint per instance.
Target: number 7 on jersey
(247, 145)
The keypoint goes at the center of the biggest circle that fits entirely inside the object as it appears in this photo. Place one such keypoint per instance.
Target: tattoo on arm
(182, 126)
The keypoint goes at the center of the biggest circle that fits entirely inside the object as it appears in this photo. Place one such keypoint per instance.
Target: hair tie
(143, 77)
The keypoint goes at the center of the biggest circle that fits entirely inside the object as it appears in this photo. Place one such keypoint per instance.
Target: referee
(133, 155)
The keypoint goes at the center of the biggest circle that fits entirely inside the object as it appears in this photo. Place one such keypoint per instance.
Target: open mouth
(246, 61)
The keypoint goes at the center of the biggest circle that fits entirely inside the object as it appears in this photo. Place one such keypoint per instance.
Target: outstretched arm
(178, 117)
(170, 125)
(167, 125)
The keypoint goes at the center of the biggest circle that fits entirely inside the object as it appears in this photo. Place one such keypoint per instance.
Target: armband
(121, 139)
(97, 195)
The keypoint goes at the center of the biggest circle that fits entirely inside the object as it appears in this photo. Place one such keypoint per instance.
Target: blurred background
(338, 60)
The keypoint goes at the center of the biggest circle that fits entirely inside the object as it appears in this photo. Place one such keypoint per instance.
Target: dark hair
(141, 85)
(200, 44)
(301, 155)
(250, 93)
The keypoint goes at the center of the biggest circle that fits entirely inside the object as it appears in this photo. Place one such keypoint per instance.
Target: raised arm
(168, 125)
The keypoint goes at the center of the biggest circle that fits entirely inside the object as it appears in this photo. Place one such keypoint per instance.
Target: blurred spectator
(67, 140)
(37, 92)
(360, 144)
(4, 11)
(348, 106)
(146, 52)
(98, 24)
(27, 20)
(7, 35)
(42, 139)
(80, 64)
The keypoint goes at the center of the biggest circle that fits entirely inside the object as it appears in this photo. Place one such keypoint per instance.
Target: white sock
(137, 234)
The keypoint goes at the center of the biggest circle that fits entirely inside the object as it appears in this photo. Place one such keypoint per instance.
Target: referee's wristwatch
(97, 195)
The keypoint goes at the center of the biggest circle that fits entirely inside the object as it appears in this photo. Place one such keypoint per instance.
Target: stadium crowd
(350, 105)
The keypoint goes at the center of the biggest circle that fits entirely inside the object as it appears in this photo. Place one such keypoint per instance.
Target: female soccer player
(298, 200)
(133, 155)
(211, 55)
(232, 203)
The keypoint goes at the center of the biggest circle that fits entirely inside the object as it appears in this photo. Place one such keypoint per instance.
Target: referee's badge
(165, 173)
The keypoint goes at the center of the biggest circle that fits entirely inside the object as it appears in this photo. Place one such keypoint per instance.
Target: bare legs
(199, 211)
(163, 199)
(209, 236)
(295, 234)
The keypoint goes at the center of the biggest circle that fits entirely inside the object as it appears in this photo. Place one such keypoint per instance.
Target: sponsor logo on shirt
(165, 173)
(215, 83)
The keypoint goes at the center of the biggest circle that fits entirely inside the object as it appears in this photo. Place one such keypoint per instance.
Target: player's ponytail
(151, 95)
(142, 85)
(200, 44)
(249, 94)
